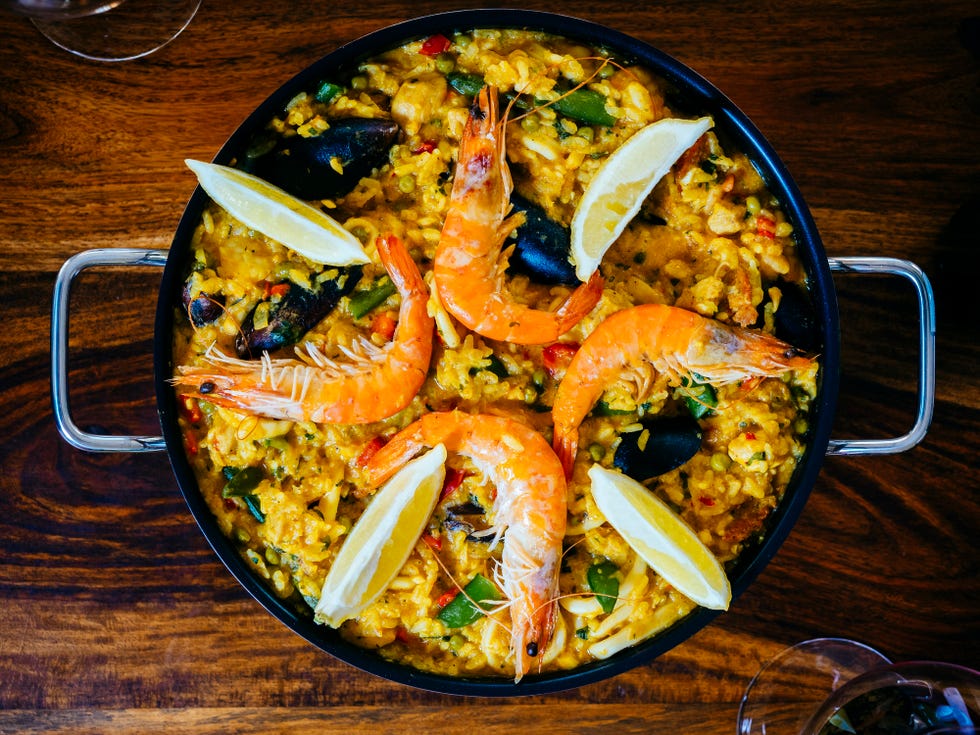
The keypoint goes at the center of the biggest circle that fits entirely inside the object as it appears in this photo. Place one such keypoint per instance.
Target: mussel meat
(542, 247)
(288, 317)
(662, 445)
(330, 164)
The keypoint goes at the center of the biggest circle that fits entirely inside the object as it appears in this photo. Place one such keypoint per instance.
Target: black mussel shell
(796, 319)
(202, 309)
(304, 168)
(542, 247)
(298, 311)
(671, 442)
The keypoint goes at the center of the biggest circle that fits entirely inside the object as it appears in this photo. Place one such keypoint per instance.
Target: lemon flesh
(279, 215)
(616, 192)
(382, 539)
(661, 538)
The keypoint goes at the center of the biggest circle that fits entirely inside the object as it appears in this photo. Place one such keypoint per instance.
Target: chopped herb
(494, 365)
(604, 584)
(252, 503)
(241, 482)
(327, 92)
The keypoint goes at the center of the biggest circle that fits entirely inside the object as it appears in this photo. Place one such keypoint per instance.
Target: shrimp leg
(375, 384)
(671, 340)
(529, 510)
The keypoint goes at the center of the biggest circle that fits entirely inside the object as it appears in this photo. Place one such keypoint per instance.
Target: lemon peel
(616, 192)
(661, 538)
(279, 215)
(382, 539)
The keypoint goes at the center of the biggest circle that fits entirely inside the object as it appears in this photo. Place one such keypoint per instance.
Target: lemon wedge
(279, 215)
(625, 179)
(661, 538)
(382, 539)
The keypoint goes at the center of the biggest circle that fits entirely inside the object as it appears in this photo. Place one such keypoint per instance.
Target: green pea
(597, 452)
(752, 205)
(720, 462)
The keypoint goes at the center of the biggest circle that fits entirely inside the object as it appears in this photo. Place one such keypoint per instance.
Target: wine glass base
(131, 30)
(794, 683)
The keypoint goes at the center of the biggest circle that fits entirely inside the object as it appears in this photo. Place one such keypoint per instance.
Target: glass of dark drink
(834, 686)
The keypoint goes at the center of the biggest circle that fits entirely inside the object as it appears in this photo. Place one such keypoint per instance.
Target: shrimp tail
(581, 301)
(565, 444)
(394, 455)
(399, 264)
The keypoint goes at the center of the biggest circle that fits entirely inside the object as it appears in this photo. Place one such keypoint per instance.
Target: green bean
(361, 302)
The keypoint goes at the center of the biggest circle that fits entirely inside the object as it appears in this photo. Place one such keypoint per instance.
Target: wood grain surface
(115, 615)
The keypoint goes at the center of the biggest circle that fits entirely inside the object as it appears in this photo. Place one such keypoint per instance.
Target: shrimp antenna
(495, 605)
(238, 327)
(605, 61)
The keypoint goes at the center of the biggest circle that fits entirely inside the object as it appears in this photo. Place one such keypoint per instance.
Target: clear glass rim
(822, 644)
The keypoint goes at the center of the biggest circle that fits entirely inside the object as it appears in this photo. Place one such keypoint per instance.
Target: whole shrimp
(674, 341)
(469, 270)
(375, 384)
(529, 510)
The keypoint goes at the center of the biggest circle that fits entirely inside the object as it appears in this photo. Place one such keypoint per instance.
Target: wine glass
(108, 30)
(833, 686)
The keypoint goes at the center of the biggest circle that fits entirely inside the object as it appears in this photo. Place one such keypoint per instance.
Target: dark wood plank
(117, 615)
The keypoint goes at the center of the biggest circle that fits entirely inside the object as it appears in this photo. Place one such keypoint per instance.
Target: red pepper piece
(190, 409)
(446, 598)
(433, 542)
(403, 635)
(765, 227)
(280, 289)
(706, 501)
(384, 325)
(435, 45)
(454, 478)
(426, 147)
(557, 356)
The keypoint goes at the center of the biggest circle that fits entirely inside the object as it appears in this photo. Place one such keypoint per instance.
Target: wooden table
(116, 615)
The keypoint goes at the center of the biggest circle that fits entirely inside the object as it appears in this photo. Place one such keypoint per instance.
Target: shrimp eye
(207, 387)
(532, 649)
(476, 112)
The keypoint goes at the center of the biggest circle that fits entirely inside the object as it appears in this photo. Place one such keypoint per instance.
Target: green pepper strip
(461, 610)
(584, 105)
(700, 398)
(604, 584)
(361, 302)
(602, 408)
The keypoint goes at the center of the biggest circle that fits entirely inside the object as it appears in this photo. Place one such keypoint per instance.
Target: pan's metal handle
(59, 350)
(927, 354)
